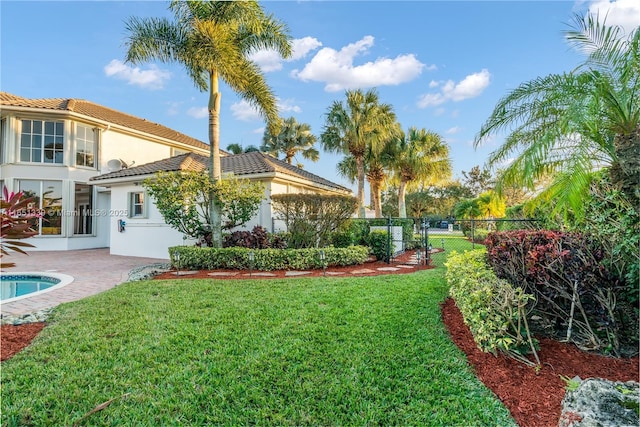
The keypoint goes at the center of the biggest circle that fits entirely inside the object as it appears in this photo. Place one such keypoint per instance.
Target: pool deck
(93, 270)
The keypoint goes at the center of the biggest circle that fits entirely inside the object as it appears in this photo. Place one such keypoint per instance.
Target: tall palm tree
(422, 157)
(567, 125)
(293, 138)
(379, 161)
(353, 126)
(213, 40)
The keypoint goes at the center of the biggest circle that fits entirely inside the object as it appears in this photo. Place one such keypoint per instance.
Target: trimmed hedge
(494, 310)
(196, 258)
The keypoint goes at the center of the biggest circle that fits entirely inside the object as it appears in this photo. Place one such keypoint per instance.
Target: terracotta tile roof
(239, 164)
(89, 109)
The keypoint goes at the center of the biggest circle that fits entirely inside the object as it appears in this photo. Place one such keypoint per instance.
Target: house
(83, 163)
(144, 227)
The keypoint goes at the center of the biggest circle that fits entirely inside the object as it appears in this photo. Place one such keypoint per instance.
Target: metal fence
(429, 242)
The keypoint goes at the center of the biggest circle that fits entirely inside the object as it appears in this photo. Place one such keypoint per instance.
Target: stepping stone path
(296, 273)
(185, 273)
(334, 273)
(363, 271)
(261, 273)
(223, 273)
(407, 266)
(387, 269)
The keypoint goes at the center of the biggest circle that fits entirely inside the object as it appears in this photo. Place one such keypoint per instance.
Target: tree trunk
(214, 157)
(402, 206)
(360, 169)
(375, 197)
(625, 171)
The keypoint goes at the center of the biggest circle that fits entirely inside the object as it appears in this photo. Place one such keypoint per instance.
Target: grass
(313, 351)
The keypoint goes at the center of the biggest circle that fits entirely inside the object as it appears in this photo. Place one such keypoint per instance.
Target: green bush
(480, 235)
(491, 307)
(378, 242)
(236, 258)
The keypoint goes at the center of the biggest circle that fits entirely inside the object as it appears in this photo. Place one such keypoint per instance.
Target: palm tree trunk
(214, 158)
(402, 205)
(375, 197)
(360, 169)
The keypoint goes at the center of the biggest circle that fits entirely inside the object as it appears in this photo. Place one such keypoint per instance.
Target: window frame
(132, 205)
(85, 143)
(43, 136)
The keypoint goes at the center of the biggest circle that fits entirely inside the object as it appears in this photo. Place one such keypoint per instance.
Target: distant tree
(292, 138)
(421, 157)
(478, 180)
(213, 41)
(351, 127)
(238, 149)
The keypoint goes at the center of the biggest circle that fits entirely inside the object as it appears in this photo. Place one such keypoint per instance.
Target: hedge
(236, 258)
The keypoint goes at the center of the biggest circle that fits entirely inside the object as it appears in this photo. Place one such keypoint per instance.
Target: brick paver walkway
(93, 270)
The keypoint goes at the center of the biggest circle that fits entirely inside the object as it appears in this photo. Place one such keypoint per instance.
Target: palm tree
(292, 138)
(353, 126)
(236, 148)
(422, 157)
(568, 125)
(212, 40)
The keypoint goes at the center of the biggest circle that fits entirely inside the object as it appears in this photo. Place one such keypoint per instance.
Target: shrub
(16, 224)
(480, 235)
(236, 258)
(312, 218)
(258, 238)
(378, 242)
(573, 289)
(494, 311)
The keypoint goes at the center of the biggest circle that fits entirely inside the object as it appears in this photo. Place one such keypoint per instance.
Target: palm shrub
(494, 310)
(16, 224)
(380, 244)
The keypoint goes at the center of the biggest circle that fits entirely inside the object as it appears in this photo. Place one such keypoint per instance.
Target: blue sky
(443, 65)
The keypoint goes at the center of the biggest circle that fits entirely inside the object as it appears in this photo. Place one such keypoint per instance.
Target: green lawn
(314, 351)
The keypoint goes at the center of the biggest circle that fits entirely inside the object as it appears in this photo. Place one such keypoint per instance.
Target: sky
(442, 65)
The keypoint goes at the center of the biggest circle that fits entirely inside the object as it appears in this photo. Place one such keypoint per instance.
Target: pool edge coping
(65, 280)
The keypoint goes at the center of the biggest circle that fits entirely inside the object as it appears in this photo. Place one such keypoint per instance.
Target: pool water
(18, 285)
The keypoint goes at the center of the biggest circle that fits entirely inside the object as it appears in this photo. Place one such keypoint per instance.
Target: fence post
(427, 258)
(473, 233)
(389, 240)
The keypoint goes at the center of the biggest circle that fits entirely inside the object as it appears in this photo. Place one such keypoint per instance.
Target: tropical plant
(467, 209)
(236, 148)
(421, 157)
(491, 205)
(213, 41)
(567, 125)
(16, 216)
(292, 138)
(183, 199)
(353, 127)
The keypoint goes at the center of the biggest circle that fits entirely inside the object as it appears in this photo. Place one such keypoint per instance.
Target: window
(3, 139)
(42, 141)
(85, 146)
(47, 203)
(137, 205)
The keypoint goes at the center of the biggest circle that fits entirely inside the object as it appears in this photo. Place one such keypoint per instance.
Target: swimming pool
(15, 286)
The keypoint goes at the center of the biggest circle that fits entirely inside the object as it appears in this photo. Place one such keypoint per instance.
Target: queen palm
(212, 41)
(567, 125)
(291, 139)
(421, 157)
(353, 126)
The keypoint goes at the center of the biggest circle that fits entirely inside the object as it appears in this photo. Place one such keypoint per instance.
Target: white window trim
(130, 205)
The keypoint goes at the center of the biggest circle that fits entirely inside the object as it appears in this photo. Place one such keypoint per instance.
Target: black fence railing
(428, 242)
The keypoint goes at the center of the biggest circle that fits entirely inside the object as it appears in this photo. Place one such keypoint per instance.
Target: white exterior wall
(143, 237)
(111, 143)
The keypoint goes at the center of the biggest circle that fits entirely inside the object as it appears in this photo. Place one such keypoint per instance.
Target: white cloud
(269, 60)
(174, 108)
(244, 111)
(287, 105)
(336, 68)
(198, 112)
(625, 13)
(301, 47)
(153, 78)
(453, 130)
(469, 87)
